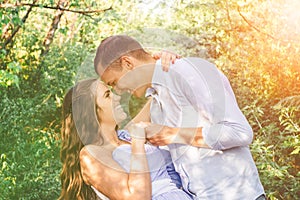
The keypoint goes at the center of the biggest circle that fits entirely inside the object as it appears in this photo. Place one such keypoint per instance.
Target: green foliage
(276, 152)
(29, 150)
(9, 76)
(255, 43)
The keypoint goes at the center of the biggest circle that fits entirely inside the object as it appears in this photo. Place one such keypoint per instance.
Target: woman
(95, 161)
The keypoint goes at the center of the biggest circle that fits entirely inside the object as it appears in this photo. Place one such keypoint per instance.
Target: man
(197, 114)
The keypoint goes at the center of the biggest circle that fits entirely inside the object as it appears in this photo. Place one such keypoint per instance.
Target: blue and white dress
(165, 180)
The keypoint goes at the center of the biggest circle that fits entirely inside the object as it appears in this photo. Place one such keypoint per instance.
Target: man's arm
(167, 135)
(209, 92)
(163, 135)
(224, 136)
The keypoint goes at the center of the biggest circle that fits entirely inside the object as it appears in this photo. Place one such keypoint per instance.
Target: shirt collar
(150, 92)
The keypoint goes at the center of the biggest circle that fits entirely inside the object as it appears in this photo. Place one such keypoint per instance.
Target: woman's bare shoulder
(100, 156)
(99, 169)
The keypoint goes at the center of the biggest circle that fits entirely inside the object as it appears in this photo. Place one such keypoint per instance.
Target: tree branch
(54, 25)
(254, 27)
(18, 4)
(228, 15)
(9, 39)
(262, 32)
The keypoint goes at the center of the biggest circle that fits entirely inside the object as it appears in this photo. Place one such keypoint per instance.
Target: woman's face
(109, 109)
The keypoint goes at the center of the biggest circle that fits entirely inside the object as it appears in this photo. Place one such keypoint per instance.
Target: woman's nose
(116, 97)
(118, 90)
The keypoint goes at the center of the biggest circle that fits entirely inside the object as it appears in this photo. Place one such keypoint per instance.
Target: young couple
(193, 113)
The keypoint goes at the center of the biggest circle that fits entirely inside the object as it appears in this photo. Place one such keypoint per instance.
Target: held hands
(156, 134)
(137, 131)
(166, 59)
(160, 135)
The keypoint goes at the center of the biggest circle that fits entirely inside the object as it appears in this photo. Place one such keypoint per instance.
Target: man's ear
(127, 62)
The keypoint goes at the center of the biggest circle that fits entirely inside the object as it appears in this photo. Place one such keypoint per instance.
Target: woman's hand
(137, 131)
(167, 58)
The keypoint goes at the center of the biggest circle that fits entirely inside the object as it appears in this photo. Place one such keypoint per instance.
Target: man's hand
(160, 135)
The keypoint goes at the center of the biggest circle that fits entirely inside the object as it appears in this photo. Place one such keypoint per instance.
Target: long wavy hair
(80, 127)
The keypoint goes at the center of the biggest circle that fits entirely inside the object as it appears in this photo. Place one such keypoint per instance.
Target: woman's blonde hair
(80, 127)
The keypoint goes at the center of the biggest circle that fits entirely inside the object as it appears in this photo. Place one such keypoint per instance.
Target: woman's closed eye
(107, 94)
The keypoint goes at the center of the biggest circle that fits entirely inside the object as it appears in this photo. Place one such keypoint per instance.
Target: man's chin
(138, 94)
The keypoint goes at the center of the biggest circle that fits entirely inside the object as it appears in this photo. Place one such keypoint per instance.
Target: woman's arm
(103, 173)
(139, 169)
(167, 58)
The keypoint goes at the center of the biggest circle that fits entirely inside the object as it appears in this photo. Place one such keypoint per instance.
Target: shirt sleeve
(209, 92)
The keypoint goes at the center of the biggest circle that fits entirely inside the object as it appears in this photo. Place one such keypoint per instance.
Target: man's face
(125, 80)
(111, 77)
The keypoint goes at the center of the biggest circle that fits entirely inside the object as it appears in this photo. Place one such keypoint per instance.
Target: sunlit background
(47, 46)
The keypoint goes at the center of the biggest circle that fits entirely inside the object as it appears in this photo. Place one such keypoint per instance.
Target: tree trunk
(54, 25)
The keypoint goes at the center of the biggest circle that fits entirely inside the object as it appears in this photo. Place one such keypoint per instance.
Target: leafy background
(47, 45)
